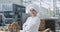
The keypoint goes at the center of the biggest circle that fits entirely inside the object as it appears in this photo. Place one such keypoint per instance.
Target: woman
(33, 22)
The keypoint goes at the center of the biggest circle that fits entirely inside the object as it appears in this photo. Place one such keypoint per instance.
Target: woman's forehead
(32, 9)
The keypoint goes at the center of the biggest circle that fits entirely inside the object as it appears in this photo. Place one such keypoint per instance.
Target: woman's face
(33, 12)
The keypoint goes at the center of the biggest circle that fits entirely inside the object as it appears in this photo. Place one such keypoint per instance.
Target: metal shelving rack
(18, 10)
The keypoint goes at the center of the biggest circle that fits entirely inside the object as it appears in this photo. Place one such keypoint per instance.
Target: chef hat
(32, 6)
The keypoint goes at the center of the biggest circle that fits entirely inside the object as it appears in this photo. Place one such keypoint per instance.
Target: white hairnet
(32, 6)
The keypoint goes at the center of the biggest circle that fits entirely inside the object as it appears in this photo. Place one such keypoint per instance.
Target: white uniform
(31, 25)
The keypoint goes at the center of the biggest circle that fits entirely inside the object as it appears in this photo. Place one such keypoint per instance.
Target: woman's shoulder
(34, 17)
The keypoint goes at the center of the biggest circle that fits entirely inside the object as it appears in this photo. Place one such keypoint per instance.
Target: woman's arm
(33, 24)
(24, 25)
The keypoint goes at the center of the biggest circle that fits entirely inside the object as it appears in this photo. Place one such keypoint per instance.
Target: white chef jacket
(31, 25)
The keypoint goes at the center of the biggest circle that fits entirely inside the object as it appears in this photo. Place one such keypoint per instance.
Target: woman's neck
(33, 16)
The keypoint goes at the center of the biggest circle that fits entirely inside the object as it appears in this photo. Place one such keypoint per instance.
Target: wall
(11, 1)
(44, 13)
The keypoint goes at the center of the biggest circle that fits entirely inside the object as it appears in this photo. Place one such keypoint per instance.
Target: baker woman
(32, 23)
